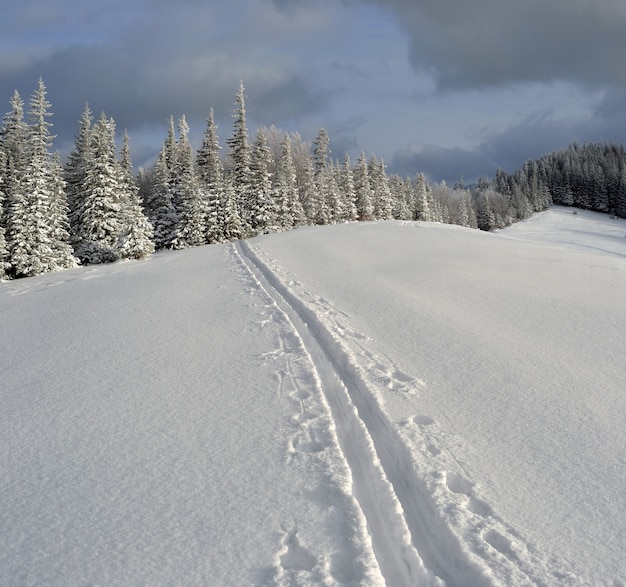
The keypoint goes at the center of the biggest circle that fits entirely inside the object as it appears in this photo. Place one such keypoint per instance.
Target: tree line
(93, 208)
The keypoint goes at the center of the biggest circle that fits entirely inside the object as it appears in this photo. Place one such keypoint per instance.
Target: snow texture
(397, 403)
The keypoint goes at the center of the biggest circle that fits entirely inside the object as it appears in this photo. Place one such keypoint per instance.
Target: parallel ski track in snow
(399, 561)
(412, 539)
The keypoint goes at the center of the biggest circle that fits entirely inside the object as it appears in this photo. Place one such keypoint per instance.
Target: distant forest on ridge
(94, 208)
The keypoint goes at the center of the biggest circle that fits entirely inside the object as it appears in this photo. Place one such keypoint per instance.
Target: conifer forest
(92, 207)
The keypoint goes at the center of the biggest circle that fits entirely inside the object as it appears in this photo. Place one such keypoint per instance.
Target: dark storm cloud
(150, 60)
(488, 43)
(512, 147)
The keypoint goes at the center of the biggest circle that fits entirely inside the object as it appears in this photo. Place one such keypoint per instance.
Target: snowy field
(365, 404)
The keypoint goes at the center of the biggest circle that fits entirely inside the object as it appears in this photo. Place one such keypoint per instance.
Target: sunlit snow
(364, 404)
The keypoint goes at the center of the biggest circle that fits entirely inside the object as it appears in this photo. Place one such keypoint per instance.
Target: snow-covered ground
(366, 404)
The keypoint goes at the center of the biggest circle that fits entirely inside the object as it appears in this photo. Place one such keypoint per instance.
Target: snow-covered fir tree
(261, 208)
(190, 205)
(135, 240)
(101, 212)
(233, 226)
(74, 170)
(211, 176)
(380, 189)
(423, 199)
(309, 196)
(161, 205)
(402, 198)
(239, 156)
(290, 211)
(321, 150)
(345, 182)
(37, 223)
(363, 190)
(13, 140)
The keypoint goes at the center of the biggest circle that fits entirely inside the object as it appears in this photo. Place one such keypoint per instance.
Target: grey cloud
(168, 63)
(441, 163)
(511, 147)
(489, 43)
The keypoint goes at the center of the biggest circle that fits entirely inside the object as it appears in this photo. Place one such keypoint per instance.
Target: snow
(374, 403)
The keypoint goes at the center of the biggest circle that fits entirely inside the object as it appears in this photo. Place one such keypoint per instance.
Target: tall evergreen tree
(423, 201)
(348, 194)
(233, 227)
(13, 160)
(135, 240)
(309, 196)
(290, 211)
(261, 207)
(239, 155)
(363, 190)
(74, 170)
(188, 198)
(101, 216)
(380, 188)
(161, 205)
(211, 176)
(321, 151)
(37, 220)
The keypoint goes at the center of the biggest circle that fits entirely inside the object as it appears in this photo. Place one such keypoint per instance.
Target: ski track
(427, 521)
(397, 558)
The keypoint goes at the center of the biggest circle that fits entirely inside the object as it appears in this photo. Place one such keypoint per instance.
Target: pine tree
(423, 202)
(308, 191)
(348, 194)
(188, 198)
(380, 188)
(74, 170)
(13, 160)
(321, 152)
(239, 155)
(290, 211)
(211, 176)
(135, 240)
(161, 206)
(261, 207)
(101, 216)
(37, 220)
(363, 190)
(485, 217)
(233, 227)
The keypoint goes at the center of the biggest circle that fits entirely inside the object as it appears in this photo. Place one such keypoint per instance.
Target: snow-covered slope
(400, 403)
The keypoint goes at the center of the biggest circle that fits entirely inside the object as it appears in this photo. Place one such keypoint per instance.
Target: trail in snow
(399, 562)
(456, 534)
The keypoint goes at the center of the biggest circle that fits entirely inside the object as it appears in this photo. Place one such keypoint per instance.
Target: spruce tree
(290, 210)
(423, 200)
(308, 191)
(348, 194)
(380, 188)
(261, 206)
(233, 226)
(13, 140)
(74, 170)
(101, 215)
(135, 240)
(211, 177)
(188, 198)
(321, 151)
(363, 190)
(161, 205)
(239, 155)
(38, 240)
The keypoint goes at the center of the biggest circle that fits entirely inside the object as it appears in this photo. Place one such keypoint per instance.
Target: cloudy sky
(448, 87)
